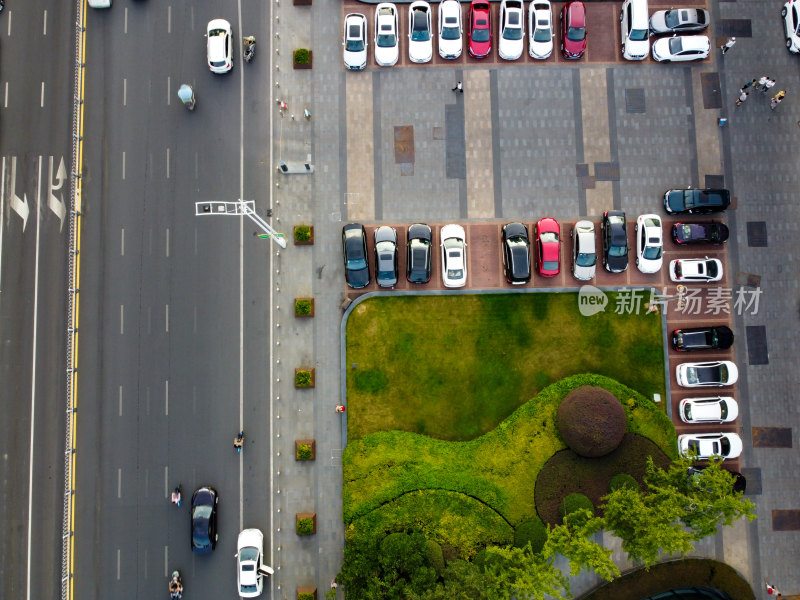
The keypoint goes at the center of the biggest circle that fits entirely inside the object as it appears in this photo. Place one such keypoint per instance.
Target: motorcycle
(238, 441)
(186, 95)
(249, 44)
(176, 495)
(175, 586)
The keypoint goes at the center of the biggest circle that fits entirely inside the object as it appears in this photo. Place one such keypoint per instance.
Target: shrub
(302, 233)
(623, 480)
(305, 596)
(304, 452)
(302, 306)
(301, 56)
(302, 378)
(533, 531)
(305, 526)
(435, 556)
(574, 503)
(591, 421)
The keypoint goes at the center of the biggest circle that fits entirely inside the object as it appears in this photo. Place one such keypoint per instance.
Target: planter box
(303, 516)
(311, 443)
(309, 241)
(302, 2)
(306, 593)
(307, 65)
(313, 377)
(309, 314)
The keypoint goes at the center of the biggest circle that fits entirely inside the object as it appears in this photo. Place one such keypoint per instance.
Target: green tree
(403, 558)
(520, 573)
(573, 540)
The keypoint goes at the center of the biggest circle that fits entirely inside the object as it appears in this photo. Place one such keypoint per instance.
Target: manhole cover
(634, 100)
(757, 234)
(757, 353)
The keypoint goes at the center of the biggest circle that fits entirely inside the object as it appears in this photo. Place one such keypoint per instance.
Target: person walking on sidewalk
(762, 82)
(742, 97)
(776, 99)
(749, 84)
(727, 45)
(768, 85)
(459, 88)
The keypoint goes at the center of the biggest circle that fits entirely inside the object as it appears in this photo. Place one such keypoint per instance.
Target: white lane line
(241, 278)
(122, 242)
(119, 482)
(166, 561)
(122, 319)
(44, 24)
(9, 23)
(41, 99)
(166, 482)
(169, 90)
(123, 166)
(166, 317)
(125, 28)
(169, 19)
(167, 163)
(166, 398)
(120, 401)
(119, 563)
(167, 249)
(33, 374)
(124, 91)
(5, 96)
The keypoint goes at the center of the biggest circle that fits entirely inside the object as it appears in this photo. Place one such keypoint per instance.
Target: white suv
(635, 29)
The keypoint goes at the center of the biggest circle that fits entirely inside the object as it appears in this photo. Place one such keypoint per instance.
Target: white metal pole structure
(242, 207)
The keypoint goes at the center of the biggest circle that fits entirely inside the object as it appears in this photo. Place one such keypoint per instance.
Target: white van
(635, 29)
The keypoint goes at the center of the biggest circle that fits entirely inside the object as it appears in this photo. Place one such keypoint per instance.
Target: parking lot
(603, 34)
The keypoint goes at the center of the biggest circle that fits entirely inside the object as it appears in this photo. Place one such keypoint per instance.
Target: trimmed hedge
(301, 56)
(533, 532)
(305, 526)
(435, 556)
(591, 421)
(573, 503)
(622, 480)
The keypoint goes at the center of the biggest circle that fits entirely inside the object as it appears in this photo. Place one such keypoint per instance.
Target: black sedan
(418, 253)
(354, 248)
(204, 520)
(615, 241)
(702, 338)
(696, 201)
(516, 254)
(693, 233)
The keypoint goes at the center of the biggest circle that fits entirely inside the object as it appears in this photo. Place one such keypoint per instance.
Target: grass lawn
(453, 367)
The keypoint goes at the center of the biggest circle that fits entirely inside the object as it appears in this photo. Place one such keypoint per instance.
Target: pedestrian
(772, 590)
(762, 82)
(459, 88)
(742, 97)
(768, 85)
(776, 99)
(749, 84)
(728, 45)
(339, 408)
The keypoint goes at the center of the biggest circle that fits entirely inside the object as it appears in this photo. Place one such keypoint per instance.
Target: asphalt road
(175, 333)
(35, 106)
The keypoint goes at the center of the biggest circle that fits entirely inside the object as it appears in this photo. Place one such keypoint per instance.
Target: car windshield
(354, 45)
(652, 252)
(672, 18)
(481, 33)
(723, 410)
(201, 512)
(420, 32)
(722, 370)
(639, 35)
(692, 375)
(725, 446)
(586, 260)
(617, 251)
(576, 34)
(542, 33)
(548, 236)
(675, 46)
(356, 264)
(248, 554)
(451, 33)
(216, 32)
(711, 269)
(550, 265)
(687, 411)
(386, 40)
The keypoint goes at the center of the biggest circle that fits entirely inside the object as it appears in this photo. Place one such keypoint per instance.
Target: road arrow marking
(54, 202)
(19, 206)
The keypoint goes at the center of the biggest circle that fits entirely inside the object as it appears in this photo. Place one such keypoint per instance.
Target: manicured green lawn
(453, 367)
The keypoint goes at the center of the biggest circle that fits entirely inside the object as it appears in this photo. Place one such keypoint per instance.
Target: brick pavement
(570, 147)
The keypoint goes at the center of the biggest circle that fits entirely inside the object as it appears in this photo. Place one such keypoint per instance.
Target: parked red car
(573, 30)
(480, 29)
(548, 245)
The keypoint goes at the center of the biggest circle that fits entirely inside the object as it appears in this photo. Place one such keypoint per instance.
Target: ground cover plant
(454, 366)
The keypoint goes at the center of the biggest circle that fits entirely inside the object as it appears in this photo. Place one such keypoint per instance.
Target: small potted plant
(303, 235)
(306, 593)
(305, 449)
(302, 58)
(303, 307)
(304, 377)
(306, 523)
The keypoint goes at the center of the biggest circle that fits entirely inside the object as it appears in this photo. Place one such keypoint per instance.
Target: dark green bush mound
(567, 473)
(623, 480)
(301, 56)
(573, 503)
(435, 556)
(534, 532)
(591, 421)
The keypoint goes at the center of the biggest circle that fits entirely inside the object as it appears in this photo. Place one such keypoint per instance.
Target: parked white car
(706, 445)
(355, 42)
(250, 567)
(454, 256)
(695, 270)
(715, 409)
(681, 48)
(511, 38)
(451, 31)
(649, 244)
(584, 250)
(791, 25)
(635, 29)
(420, 32)
(717, 373)
(387, 42)
(540, 29)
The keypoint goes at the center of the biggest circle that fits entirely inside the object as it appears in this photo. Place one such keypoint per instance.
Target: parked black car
(516, 254)
(702, 338)
(418, 253)
(615, 241)
(696, 201)
(204, 520)
(739, 480)
(693, 233)
(354, 248)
